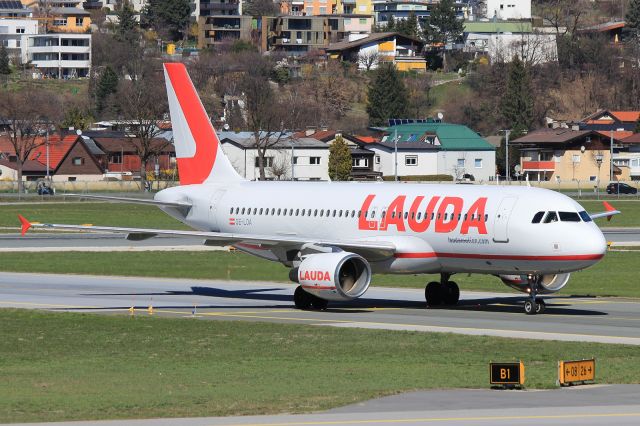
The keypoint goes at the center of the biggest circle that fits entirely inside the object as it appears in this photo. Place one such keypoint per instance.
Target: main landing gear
(444, 292)
(307, 301)
(535, 305)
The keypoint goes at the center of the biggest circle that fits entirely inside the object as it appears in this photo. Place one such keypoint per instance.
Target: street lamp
(599, 157)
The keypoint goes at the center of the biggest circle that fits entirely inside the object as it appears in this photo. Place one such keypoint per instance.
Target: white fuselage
(436, 228)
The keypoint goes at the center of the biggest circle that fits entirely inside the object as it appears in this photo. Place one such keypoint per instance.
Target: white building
(59, 55)
(532, 48)
(425, 149)
(310, 157)
(12, 33)
(509, 9)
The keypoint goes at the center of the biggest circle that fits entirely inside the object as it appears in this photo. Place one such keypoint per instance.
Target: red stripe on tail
(196, 169)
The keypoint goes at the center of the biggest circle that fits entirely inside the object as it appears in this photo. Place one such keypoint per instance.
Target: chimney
(310, 131)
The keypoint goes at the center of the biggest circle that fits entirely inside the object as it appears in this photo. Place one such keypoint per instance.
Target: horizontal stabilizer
(177, 204)
(610, 211)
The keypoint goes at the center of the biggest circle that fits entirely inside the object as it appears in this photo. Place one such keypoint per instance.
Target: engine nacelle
(549, 283)
(333, 276)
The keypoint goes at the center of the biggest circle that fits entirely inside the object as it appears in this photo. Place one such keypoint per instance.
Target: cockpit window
(537, 217)
(569, 217)
(585, 216)
(551, 217)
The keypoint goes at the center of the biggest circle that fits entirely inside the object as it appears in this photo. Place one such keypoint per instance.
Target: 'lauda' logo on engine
(314, 276)
(397, 216)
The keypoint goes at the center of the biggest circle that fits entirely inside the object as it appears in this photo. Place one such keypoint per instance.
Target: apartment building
(59, 55)
(215, 30)
(297, 35)
(217, 7)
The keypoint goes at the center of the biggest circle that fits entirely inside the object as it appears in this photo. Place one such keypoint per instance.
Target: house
(300, 158)
(69, 19)
(362, 159)
(569, 154)
(502, 40)
(401, 9)
(508, 9)
(607, 120)
(612, 31)
(64, 157)
(117, 154)
(368, 52)
(433, 148)
(356, 7)
(629, 155)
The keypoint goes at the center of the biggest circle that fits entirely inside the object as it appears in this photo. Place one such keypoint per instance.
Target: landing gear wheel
(319, 303)
(433, 293)
(529, 307)
(540, 306)
(302, 299)
(451, 293)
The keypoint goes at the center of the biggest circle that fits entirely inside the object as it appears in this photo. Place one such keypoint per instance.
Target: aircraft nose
(597, 243)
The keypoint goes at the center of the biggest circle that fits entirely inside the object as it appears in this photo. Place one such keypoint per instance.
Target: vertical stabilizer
(198, 152)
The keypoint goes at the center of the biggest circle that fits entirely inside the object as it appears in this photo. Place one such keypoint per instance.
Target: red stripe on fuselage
(425, 255)
(196, 169)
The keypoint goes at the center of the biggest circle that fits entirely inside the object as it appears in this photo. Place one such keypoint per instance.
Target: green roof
(452, 137)
(497, 27)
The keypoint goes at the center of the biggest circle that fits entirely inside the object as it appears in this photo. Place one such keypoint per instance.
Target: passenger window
(585, 216)
(278, 212)
(551, 217)
(243, 210)
(297, 211)
(486, 217)
(406, 215)
(432, 215)
(315, 213)
(359, 213)
(237, 210)
(569, 217)
(273, 212)
(302, 212)
(334, 213)
(459, 216)
(537, 217)
(290, 212)
(255, 211)
(373, 214)
(260, 212)
(231, 211)
(419, 215)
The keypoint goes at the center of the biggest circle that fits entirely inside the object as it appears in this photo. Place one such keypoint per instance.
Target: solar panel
(11, 5)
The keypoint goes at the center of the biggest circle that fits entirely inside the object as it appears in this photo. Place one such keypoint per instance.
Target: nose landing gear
(535, 305)
(444, 292)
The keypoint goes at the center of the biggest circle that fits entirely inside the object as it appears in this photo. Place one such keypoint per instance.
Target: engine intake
(549, 283)
(333, 276)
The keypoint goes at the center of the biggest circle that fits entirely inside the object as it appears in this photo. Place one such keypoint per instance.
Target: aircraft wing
(610, 211)
(375, 248)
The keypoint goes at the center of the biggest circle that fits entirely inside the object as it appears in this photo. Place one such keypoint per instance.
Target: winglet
(609, 208)
(25, 224)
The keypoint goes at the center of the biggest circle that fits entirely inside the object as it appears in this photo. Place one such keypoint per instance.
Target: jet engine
(549, 283)
(333, 276)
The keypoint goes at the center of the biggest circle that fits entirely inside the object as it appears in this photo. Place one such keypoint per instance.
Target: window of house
(315, 161)
(295, 160)
(360, 162)
(79, 22)
(460, 162)
(71, 179)
(478, 163)
(115, 158)
(575, 158)
(19, 30)
(363, 21)
(377, 159)
(411, 160)
(78, 161)
(268, 161)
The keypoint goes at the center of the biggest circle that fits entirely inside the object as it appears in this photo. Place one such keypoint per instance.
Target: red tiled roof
(368, 139)
(624, 116)
(58, 149)
(127, 144)
(28, 166)
(321, 135)
(629, 116)
(617, 134)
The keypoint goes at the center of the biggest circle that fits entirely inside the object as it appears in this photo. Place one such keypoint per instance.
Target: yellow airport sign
(574, 372)
(506, 373)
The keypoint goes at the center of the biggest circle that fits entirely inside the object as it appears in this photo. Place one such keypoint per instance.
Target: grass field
(616, 275)
(57, 366)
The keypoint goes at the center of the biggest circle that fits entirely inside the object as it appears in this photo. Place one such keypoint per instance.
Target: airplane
(334, 236)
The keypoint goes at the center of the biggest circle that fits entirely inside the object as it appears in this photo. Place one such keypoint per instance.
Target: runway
(605, 320)
(591, 405)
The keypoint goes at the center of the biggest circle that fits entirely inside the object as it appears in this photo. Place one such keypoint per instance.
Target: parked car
(620, 188)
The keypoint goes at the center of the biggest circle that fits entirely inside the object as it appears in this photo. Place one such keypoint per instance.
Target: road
(494, 314)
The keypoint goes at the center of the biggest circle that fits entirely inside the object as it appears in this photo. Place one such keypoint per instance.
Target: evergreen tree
(517, 102)
(5, 69)
(387, 96)
(107, 85)
(172, 15)
(411, 25)
(442, 25)
(77, 118)
(339, 160)
(127, 26)
(391, 24)
(632, 18)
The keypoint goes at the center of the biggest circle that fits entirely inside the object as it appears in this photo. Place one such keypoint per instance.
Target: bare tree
(26, 122)
(418, 87)
(281, 166)
(368, 59)
(143, 104)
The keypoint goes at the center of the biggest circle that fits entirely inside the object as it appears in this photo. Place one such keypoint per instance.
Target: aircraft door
(501, 221)
(214, 205)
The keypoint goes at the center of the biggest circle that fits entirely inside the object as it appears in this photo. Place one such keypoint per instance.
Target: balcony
(538, 166)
